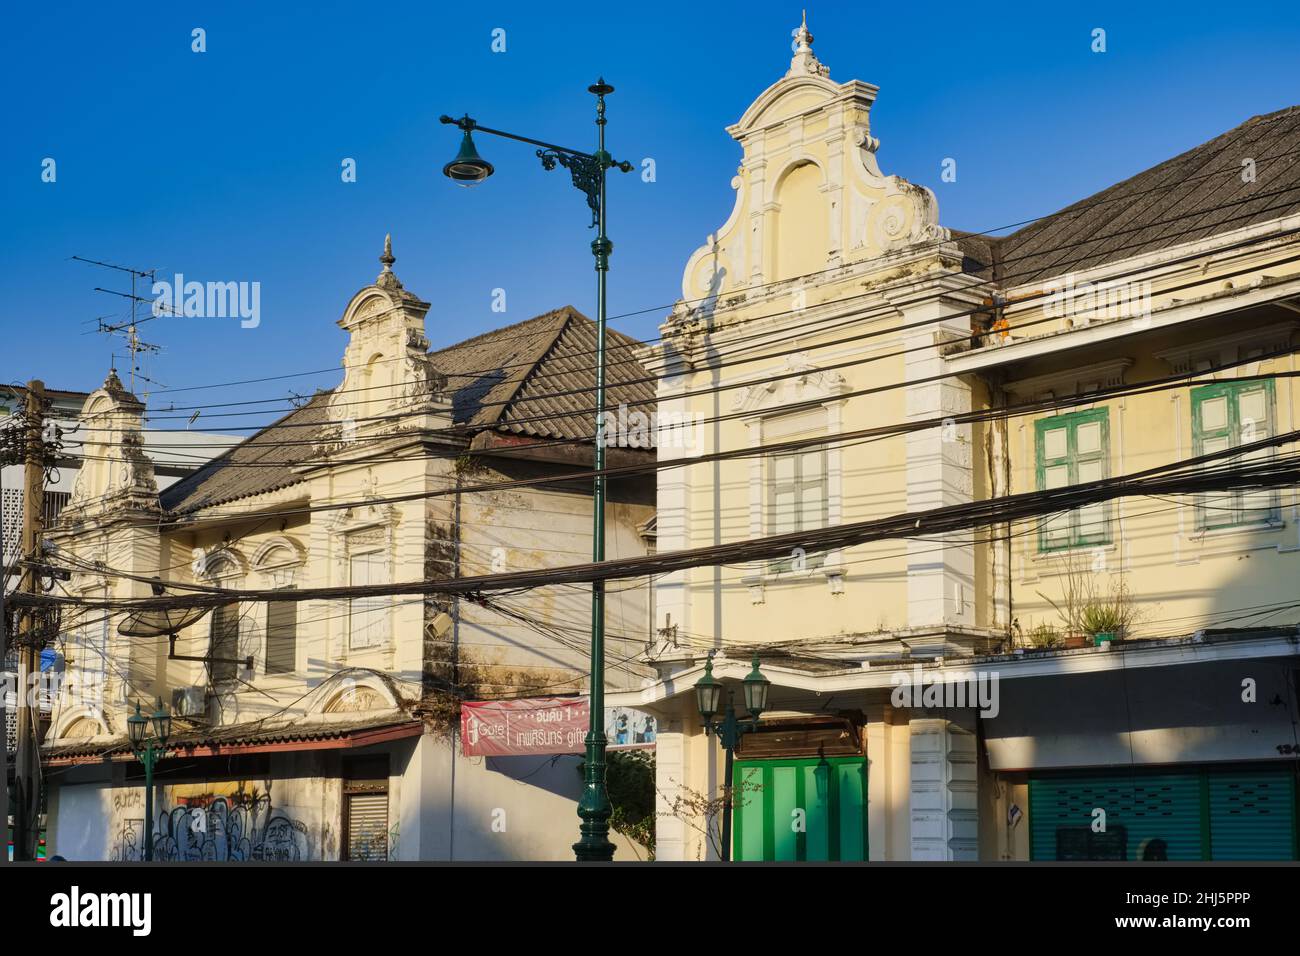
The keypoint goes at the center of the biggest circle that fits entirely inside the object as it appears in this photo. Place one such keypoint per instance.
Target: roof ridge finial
(388, 279)
(803, 36)
(805, 62)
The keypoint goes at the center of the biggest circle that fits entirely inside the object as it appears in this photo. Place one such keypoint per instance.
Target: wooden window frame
(1072, 459)
(799, 483)
(1235, 517)
(367, 605)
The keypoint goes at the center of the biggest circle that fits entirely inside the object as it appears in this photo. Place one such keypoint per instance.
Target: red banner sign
(538, 725)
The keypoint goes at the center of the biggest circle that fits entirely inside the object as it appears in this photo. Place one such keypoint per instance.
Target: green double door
(1210, 814)
(807, 808)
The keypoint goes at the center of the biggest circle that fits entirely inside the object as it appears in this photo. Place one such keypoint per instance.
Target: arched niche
(800, 222)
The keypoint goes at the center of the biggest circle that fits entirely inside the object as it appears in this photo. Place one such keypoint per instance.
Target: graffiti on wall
(239, 826)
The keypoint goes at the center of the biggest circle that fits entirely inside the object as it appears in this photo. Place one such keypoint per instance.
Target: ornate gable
(115, 472)
(809, 193)
(388, 378)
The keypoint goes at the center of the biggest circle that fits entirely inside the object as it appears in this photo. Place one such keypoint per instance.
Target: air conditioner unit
(189, 702)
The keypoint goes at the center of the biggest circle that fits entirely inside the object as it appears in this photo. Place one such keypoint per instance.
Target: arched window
(224, 626)
(279, 564)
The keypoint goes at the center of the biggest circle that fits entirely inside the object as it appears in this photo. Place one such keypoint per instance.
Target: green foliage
(630, 781)
(1044, 635)
(1101, 618)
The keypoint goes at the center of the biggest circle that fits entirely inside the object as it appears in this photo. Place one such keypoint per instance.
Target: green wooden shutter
(770, 791)
(1073, 449)
(1164, 807)
(1225, 415)
(1252, 815)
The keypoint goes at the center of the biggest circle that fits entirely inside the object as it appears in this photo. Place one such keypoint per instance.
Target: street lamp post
(708, 695)
(587, 171)
(149, 749)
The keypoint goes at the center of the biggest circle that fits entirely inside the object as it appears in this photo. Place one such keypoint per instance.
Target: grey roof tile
(534, 378)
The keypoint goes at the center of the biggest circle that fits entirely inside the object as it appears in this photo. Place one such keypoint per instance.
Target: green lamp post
(587, 171)
(708, 697)
(149, 749)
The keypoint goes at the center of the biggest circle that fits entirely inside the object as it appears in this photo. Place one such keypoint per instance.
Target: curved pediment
(386, 363)
(784, 99)
(810, 196)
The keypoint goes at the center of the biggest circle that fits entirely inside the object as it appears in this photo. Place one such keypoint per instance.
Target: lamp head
(468, 168)
(708, 692)
(756, 690)
(162, 724)
(137, 725)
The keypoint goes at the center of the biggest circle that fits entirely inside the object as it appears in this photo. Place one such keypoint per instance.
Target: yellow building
(1113, 660)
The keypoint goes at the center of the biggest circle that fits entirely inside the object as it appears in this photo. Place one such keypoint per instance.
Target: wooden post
(27, 796)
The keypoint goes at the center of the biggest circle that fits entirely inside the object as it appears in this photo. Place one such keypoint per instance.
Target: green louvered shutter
(1252, 815)
(1140, 809)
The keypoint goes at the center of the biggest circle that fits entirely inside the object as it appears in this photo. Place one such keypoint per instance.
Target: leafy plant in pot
(1103, 621)
(1090, 615)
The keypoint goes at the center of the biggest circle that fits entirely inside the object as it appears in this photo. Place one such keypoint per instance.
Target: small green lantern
(468, 168)
(708, 692)
(756, 690)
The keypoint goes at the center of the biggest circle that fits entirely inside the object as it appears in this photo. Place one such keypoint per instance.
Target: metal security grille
(367, 826)
(1252, 815)
(11, 510)
(1212, 814)
(53, 506)
(1160, 814)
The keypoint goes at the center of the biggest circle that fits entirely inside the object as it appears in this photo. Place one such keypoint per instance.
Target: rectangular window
(368, 616)
(281, 637)
(797, 498)
(1226, 415)
(223, 643)
(1070, 450)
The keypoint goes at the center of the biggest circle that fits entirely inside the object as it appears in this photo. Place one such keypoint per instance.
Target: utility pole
(27, 764)
(8, 444)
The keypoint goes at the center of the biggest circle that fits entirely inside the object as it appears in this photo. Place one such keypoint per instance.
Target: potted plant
(1089, 614)
(1044, 636)
(1103, 620)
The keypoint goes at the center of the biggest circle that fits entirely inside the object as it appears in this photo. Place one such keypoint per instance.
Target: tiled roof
(250, 468)
(534, 378)
(1193, 196)
(247, 735)
(545, 376)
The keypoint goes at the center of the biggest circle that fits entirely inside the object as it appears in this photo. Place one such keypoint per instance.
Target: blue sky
(225, 165)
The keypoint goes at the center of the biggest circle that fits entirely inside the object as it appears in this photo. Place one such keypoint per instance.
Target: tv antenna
(129, 328)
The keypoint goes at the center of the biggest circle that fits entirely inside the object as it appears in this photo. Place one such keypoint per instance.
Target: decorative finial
(803, 36)
(805, 62)
(388, 279)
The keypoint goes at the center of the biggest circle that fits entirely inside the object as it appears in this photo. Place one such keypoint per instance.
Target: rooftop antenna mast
(128, 329)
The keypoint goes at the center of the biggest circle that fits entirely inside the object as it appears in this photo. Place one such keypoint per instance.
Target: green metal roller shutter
(1252, 815)
(1139, 808)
